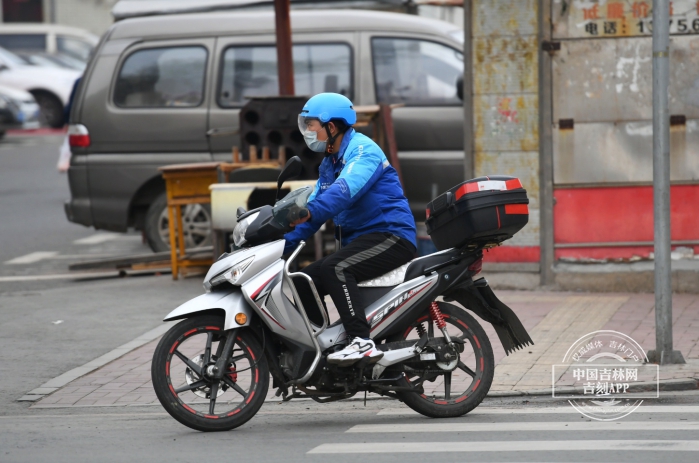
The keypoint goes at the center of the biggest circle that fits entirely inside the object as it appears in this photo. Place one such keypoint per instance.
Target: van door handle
(222, 131)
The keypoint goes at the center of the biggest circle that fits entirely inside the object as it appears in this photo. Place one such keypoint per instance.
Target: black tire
(50, 109)
(478, 345)
(168, 371)
(196, 219)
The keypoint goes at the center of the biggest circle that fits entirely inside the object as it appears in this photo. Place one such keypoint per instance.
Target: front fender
(231, 302)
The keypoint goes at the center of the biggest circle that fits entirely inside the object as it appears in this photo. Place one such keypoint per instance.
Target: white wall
(92, 15)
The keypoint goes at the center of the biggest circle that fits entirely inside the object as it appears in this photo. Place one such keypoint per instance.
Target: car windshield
(287, 209)
(10, 58)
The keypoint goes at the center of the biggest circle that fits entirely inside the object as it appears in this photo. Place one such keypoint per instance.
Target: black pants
(338, 274)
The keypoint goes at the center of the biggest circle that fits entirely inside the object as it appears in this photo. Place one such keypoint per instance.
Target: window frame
(219, 83)
(126, 57)
(415, 39)
(59, 37)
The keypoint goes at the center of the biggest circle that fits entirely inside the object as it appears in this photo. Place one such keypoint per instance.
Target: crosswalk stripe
(549, 410)
(31, 257)
(509, 446)
(97, 238)
(530, 426)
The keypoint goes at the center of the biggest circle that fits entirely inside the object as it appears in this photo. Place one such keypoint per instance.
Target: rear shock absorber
(420, 329)
(437, 316)
(438, 319)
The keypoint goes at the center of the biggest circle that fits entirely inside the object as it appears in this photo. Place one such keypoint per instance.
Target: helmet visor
(308, 123)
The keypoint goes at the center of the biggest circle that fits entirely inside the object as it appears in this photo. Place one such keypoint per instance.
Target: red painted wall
(609, 214)
(588, 215)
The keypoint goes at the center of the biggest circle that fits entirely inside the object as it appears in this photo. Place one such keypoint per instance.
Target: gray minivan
(168, 90)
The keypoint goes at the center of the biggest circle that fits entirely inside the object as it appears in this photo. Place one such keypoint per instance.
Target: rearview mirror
(292, 169)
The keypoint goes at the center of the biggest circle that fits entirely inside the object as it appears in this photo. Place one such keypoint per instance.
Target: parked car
(48, 38)
(161, 89)
(50, 86)
(55, 60)
(18, 110)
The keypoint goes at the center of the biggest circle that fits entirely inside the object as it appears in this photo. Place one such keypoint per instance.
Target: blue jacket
(360, 191)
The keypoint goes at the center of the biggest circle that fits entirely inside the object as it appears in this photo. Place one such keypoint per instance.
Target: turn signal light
(241, 318)
(78, 136)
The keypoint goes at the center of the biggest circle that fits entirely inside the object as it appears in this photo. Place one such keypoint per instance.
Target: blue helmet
(327, 106)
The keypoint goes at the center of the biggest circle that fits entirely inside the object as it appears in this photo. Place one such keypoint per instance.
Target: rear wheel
(50, 109)
(187, 391)
(456, 388)
(196, 221)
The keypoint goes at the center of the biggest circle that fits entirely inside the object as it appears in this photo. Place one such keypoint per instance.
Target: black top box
(481, 211)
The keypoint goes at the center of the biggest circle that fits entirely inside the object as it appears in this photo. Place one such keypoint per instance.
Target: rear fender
(481, 300)
(230, 302)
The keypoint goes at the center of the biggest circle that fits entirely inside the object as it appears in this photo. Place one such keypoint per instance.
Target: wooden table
(186, 184)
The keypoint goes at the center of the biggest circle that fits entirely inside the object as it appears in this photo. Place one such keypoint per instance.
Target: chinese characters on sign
(605, 379)
(626, 18)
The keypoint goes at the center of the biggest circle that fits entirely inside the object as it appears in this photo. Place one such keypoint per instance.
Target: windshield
(10, 58)
(287, 209)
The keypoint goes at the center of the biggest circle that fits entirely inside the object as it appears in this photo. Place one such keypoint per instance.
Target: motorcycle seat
(411, 270)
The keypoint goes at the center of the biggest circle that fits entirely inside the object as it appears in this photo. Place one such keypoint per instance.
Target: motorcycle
(211, 371)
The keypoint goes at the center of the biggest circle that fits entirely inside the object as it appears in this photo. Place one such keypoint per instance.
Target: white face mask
(311, 139)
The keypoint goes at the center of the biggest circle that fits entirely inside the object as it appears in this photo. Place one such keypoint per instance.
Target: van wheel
(196, 220)
(50, 109)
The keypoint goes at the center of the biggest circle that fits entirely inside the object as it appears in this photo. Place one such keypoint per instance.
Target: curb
(666, 385)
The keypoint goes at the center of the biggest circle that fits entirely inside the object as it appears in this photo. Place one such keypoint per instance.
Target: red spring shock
(437, 316)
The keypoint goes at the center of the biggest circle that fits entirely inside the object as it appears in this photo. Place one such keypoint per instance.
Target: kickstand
(365, 398)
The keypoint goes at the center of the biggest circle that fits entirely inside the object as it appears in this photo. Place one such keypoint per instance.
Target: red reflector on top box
(486, 185)
(516, 209)
(485, 210)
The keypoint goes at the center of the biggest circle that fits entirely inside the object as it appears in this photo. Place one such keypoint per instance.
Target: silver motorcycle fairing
(384, 311)
(231, 302)
(399, 300)
(265, 294)
(264, 255)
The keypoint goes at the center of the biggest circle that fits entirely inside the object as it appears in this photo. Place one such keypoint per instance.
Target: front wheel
(456, 388)
(188, 393)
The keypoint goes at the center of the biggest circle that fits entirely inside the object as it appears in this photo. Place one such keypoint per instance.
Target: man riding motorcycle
(361, 192)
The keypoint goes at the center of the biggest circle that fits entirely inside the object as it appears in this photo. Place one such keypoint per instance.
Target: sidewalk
(554, 320)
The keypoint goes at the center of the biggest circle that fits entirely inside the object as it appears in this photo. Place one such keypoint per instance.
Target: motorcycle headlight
(241, 228)
(233, 274)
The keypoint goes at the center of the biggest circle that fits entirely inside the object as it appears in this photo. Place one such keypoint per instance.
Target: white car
(18, 110)
(48, 38)
(50, 86)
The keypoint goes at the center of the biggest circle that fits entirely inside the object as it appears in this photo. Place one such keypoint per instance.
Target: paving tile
(554, 320)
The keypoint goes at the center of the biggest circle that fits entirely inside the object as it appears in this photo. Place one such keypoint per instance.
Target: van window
(23, 41)
(162, 78)
(416, 72)
(74, 47)
(252, 71)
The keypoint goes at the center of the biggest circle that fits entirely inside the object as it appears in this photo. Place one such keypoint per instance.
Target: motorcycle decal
(266, 285)
(263, 309)
(395, 305)
(259, 297)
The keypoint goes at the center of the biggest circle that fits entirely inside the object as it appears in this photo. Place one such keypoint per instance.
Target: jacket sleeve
(360, 173)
